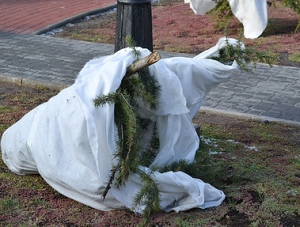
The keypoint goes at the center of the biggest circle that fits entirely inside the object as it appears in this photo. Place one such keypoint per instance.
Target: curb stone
(268, 91)
(244, 116)
(73, 19)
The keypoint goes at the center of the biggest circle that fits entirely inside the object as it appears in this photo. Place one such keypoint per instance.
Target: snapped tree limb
(142, 63)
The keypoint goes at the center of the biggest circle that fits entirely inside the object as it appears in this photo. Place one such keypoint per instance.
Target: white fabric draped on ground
(71, 143)
(253, 14)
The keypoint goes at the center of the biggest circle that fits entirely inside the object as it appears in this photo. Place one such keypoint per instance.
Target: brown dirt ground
(61, 211)
(9, 88)
(181, 23)
(177, 29)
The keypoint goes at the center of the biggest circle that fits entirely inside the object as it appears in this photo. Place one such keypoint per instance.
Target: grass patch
(295, 57)
(178, 49)
(8, 205)
(177, 29)
(257, 165)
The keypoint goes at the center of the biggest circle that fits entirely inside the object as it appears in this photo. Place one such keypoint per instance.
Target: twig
(142, 63)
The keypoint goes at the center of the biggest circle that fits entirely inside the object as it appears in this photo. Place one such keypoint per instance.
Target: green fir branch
(113, 171)
(151, 88)
(100, 100)
(145, 92)
(150, 152)
(128, 143)
(130, 154)
(221, 13)
(245, 57)
(295, 6)
(132, 44)
(148, 196)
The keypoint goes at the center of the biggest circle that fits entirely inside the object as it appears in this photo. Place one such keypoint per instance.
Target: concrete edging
(25, 82)
(31, 82)
(11, 79)
(244, 116)
(233, 114)
(73, 19)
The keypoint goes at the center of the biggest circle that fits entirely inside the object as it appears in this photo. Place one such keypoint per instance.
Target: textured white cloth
(253, 14)
(71, 143)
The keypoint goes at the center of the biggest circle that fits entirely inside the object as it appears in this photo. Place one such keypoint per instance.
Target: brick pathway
(28, 16)
(268, 93)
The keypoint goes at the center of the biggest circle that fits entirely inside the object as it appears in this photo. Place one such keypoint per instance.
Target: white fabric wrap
(201, 7)
(253, 14)
(71, 143)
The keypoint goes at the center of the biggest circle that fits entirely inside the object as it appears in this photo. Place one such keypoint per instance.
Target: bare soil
(256, 164)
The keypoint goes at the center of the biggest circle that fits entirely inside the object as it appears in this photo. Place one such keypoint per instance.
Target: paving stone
(254, 112)
(287, 117)
(262, 107)
(272, 92)
(271, 114)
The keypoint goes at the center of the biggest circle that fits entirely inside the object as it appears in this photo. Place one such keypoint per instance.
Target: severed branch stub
(142, 63)
(132, 69)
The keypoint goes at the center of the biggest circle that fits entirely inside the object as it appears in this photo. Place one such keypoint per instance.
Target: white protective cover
(253, 14)
(71, 144)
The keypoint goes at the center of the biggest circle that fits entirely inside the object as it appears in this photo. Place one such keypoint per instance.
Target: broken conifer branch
(142, 63)
(130, 152)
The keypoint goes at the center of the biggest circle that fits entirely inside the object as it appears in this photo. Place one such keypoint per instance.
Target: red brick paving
(28, 16)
